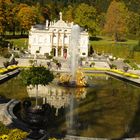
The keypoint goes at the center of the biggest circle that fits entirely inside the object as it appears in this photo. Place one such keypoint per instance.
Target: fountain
(76, 78)
(74, 50)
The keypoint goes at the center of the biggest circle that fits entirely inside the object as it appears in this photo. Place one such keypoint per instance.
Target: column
(44, 100)
(62, 49)
(56, 54)
(51, 41)
(68, 49)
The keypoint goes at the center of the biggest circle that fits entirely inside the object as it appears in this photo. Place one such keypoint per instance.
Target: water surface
(110, 108)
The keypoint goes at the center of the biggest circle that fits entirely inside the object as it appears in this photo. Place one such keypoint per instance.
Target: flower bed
(8, 69)
(126, 74)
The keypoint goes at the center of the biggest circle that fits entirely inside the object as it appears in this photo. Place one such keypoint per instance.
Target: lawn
(20, 43)
(105, 45)
(117, 49)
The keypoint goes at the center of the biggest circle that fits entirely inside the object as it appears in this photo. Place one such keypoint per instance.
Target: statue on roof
(60, 14)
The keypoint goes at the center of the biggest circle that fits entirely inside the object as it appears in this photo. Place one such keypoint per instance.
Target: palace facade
(54, 39)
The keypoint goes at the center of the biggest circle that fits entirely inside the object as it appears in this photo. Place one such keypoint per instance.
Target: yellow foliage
(64, 78)
(52, 139)
(80, 78)
(17, 134)
(4, 137)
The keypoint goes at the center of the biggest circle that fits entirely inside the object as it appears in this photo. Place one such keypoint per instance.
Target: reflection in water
(110, 109)
(70, 116)
(58, 97)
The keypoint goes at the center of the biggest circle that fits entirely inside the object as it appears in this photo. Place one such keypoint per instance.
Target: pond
(110, 108)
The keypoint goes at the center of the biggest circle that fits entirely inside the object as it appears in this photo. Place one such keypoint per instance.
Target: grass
(20, 43)
(119, 49)
(105, 45)
(120, 72)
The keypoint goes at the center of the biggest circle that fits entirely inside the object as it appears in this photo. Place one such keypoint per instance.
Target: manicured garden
(19, 43)
(120, 72)
(118, 49)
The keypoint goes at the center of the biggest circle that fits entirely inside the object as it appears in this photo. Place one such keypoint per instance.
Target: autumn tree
(68, 14)
(4, 15)
(26, 17)
(86, 16)
(116, 19)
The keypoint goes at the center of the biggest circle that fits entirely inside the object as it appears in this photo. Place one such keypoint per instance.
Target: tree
(37, 76)
(137, 47)
(4, 15)
(26, 17)
(116, 19)
(39, 15)
(68, 14)
(86, 16)
(133, 24)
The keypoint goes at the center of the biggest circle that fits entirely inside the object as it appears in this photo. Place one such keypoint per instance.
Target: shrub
(126, 61)
(31, 62)
(7, 55)
(4, 137)
(137, 47)
(92, 64)
(17, 134)
(112, 66)
(55, 61)
(3, 129)
(16, 55)
(6, 64)
(4, 43)
(50, 57)
(37, 51)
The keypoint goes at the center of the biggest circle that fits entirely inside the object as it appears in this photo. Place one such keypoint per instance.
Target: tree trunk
(36, 102)
(14, 30)
(116, 37)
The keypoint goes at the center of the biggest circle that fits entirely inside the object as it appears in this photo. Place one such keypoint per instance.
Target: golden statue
(79, 80)
(64, 78)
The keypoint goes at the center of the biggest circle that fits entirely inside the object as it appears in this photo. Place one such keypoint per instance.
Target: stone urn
(125, 68)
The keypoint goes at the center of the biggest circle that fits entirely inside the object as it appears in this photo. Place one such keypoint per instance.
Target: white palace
(54, 39)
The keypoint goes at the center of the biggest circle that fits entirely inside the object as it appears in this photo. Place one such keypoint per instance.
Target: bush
(3, 129)
(126, 61)
(7, 55)
(4, 43)
(16, 55)
(31, 62)
(95, 38)
(17, 134)
(50, 57)
(55, 61)
(112, 66)
(11, 134)
(137, 47)
(6, 64)
(132, 64)
(92, 64)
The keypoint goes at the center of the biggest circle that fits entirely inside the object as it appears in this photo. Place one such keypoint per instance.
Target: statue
(11, 61)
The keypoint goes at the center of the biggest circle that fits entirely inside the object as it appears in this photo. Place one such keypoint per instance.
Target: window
(83, 53)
